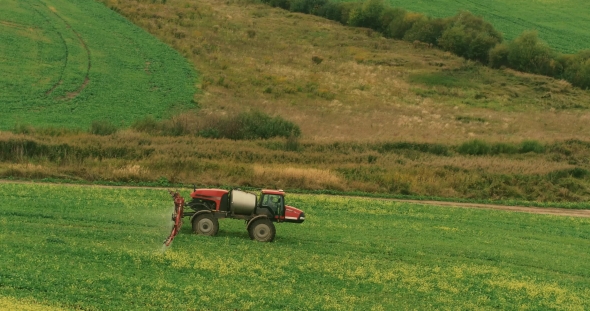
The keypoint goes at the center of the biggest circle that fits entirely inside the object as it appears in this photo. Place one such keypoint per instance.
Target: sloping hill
(361, 86)
(68, 63)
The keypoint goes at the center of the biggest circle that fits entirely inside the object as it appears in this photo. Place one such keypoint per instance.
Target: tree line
(464, 34)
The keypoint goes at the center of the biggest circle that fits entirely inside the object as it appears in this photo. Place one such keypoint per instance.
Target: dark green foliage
(503, 148)
(531, 146)
(401, 23)
(307, 6)
(474, 147)
(480, 147)
(285, 4)
(527, 53)
(436, 149)
(499, 56)
(147, 125)
(426, 30)
(332, 11)
(102, 127)
(368, 15)
(577, 68)
(250, 125)
(469, 36)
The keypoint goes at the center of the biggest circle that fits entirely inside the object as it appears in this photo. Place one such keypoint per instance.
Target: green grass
(68, 63)
(99, 249)
(563, 24)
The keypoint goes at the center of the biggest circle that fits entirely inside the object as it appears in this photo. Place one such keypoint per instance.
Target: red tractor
(209, 205)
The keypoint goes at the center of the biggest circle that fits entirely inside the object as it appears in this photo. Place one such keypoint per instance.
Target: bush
(401, 23)
(368, 15)
(531, 146)
(147, 125)
(307, 6)
(426, 30)
(257, 124)
(102, 128)
(474, 147)
(499, 56)
(250, 125)
(576, 68)
(503, 148)
(285, 4)
(527, 53)
(469, 36)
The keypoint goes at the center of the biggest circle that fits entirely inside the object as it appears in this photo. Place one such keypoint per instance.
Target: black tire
(262, 230)
(206, 224)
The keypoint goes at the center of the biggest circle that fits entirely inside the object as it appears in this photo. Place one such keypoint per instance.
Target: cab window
(274, 202)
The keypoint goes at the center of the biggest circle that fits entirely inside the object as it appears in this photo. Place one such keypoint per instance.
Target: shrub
(257, 124)
(503, 148)
(474, 147)
(368, 15)
(331, 11)
(426, 30)
(436, 149)
(249, 125)
(528, 53)
(307, 6)
(147, 125)
(469, 36)
(285, 4)
(102, 128)
(531, 146)
(499, 56)
(576, 68)
(402, 22)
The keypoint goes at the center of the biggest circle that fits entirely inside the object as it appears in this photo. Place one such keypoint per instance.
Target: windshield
(274, 202)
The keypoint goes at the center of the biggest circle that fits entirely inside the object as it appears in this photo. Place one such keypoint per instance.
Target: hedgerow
(464, 34)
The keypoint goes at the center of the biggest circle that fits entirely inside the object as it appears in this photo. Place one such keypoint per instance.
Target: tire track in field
(59, 34)
(583, 213)
(67, 52)
(84, 84)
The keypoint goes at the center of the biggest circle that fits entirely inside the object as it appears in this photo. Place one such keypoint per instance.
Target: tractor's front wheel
(206, 224)
(262, 230)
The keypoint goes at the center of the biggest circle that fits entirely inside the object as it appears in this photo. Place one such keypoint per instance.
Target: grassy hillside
(360, 86)
(563, 24)
(68, 63)
(96, 249)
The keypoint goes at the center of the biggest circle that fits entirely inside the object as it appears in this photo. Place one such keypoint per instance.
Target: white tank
(242, 203)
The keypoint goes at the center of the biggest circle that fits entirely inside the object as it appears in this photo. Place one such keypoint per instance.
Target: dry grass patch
(365, 87)
(309, 178)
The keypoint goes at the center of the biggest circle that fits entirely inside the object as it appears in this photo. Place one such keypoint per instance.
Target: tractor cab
(273, 200)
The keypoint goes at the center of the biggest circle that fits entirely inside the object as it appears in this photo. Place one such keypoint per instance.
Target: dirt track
(522, 209)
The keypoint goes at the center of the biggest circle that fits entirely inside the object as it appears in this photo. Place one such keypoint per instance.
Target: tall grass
(476, 169)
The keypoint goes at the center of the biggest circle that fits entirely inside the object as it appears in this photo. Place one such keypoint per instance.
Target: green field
(73, 247)
(68, 63)
(563, 24)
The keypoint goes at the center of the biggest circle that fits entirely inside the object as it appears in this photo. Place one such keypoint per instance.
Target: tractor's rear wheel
(205, 224)
(262, 230)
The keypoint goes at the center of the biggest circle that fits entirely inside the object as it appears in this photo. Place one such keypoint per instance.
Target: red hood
(208, 193)
(293, 214)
